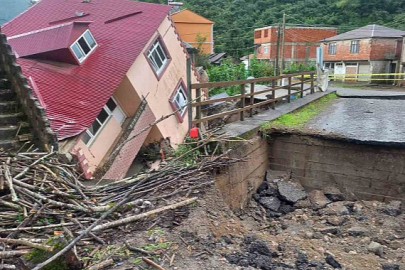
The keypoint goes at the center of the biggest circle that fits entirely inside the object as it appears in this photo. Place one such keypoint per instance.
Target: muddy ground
(321, 231)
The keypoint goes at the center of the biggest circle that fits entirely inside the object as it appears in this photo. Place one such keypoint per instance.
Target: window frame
(265, 49)
(179, 115)
(102, 125)
(258, 34)
(357, 46)
(158, 73)
(76, 42)
(330, 50)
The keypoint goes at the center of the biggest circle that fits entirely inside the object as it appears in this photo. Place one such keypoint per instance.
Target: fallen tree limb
(124, 200)
(150, 262)
(26, 243)
(10, 184)
(143, 215)
(24, 172)
(7, 267)
(101, 265)
(39, 227)
(144, 252)
(12, 253)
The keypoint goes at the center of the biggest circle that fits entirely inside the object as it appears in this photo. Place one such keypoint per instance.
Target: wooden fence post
(273, 94)
(302, 85)
(252, 97)
(289, 90)
(312, 83)
(198, 108)
(190, 96)
(242, 101)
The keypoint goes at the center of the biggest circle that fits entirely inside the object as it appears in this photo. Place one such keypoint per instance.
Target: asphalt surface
(366, 120)
(370, 94)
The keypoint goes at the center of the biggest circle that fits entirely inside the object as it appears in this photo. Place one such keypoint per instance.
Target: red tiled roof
(75, 94)
(43, 40)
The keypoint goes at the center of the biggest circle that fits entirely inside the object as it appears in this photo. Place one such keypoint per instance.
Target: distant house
(217, 58)
(195, 29)
(104, 70)
(372, 49)
(300, 43)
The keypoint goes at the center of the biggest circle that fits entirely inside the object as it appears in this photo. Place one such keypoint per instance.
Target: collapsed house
(103, 71)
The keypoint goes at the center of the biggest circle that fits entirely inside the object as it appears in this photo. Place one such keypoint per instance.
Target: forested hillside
(236, 19)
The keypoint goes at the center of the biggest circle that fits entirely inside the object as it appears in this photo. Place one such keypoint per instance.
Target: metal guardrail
(198, 103)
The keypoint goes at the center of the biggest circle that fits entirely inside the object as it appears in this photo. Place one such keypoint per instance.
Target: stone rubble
(325, 220)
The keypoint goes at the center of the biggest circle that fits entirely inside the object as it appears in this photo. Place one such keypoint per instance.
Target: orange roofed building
(191, 26)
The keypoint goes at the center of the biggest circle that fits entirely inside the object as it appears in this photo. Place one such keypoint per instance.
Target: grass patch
(300, 117)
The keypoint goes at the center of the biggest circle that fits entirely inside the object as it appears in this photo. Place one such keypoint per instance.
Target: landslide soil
(198, 237)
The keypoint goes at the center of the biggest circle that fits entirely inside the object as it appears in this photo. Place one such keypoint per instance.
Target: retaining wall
(239, 181)
(368, 172)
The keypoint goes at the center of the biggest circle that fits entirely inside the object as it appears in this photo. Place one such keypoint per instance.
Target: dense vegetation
(236, 19)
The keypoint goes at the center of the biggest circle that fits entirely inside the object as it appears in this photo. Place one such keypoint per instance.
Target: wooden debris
(101, 265)
(26, 243)
(152, 263)
(42, 195)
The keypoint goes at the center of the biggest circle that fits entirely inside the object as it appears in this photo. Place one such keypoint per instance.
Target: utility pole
(282, 46)
(276, 66)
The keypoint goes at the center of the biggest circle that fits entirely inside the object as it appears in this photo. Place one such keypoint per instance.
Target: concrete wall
(369, 172)
(382, 49)
(96, 152)
(239, 181)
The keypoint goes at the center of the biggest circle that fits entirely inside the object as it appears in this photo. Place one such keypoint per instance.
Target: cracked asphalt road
(368, 120)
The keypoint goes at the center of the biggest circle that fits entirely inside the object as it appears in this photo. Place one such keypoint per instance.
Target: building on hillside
(195, 29)
(104, 70)
(372, 49)
(300, 43)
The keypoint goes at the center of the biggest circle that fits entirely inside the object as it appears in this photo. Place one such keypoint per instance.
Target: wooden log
(144, 252)
(38, 227)
(9, 182)
(101, 265)
(7, 267)
(12, 253)
(130, 219)
(152, 263)
(26, 243)
(26, 169)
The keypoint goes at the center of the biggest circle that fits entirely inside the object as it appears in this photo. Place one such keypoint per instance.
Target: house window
(179, 101)
(158, 56)
(258, 34)
(354, 46)
(111, 109)
(266, 33)
(83, 46)
(266, 49)
(332, 48)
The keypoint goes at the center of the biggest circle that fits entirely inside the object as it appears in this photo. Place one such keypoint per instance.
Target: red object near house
(194, 132)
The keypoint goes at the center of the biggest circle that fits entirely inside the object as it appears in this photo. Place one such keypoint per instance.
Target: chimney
(176, 6)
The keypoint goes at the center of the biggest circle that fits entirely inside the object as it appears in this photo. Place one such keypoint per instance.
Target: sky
(11, 8)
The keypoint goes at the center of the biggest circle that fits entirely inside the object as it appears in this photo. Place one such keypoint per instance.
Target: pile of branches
(41, 197)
